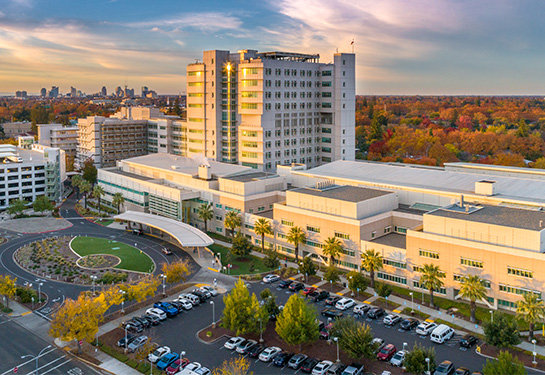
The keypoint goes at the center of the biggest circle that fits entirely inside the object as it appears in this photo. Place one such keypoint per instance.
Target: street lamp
(94, 277)
(39, 291)
(404, 346)
(428, 362)
(126, 338)
(213, 314)
(491, 316)
(164, 277)
(219, 256)
(336, 339)
(122, 301)
(36, 357)
(412, 301)
(534, 362)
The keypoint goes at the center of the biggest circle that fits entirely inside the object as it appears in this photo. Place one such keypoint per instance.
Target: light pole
(123, 301)
(37, 356)
(126, 338)
(428, 362)
(213, 314)
(164, 277)
(404, 346)
(336, 339)
(94, 277)
(491, 316)
(39, 291)
(219, 256)
(534, 362)
(412, 301)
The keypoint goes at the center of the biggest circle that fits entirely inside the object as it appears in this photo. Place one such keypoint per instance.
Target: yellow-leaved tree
(8, 287)
(143, 289)
(176, 271)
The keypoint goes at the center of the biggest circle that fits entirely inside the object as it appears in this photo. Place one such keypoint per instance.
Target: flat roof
(392, 239)
(497, 215)
(120, 172)
(186, 235)
(247, 177)
(344, 193)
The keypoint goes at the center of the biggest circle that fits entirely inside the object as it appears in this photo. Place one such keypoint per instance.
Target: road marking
(314, 286)
(26, 313)
(429, 320)
(397, 311)
(292, 278)
(213, 269)
(54, 368)
(367, 302)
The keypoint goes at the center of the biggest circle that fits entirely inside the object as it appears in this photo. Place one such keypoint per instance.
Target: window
(400, 229)
(249, 133)
(442, 290)
(326, 73)
(314, 244)
(190, 84)
(429, 254)
(219, 229)
(459, 278)
(194, 73)
(313, 229)
(392, 278)
(218, 205)
(387, 229)
(246, 154)
(249, 82)
(502, 302)
(248, 105)
(287, 222)
(249, 94)
(515, 290)
(471, 263)
(520, 272)
(346, 264)
(350, 253)
(394, 263)
(281, 235)
(342, 235)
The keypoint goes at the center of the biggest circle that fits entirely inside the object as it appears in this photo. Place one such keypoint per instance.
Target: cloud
(205, 21)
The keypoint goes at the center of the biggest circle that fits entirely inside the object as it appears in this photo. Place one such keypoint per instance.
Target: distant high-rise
(54, 92)
(103, 91)
(73, 92)
(145, 91)
(20, 94)
(119, 91)
(43, 92)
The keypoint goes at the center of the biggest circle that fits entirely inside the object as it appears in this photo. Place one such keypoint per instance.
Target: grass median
(249, 264)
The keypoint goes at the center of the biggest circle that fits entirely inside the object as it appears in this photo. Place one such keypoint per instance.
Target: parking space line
(429, 320)
(397, 311)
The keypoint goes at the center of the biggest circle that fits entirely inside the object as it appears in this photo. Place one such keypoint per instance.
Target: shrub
(25, 294)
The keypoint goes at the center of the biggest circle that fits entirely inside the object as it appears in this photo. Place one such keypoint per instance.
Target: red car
(387, 352)
(177, 365)
(308, 290)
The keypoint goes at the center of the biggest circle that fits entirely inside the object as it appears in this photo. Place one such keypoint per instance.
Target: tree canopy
(242, 311)
(297, 323)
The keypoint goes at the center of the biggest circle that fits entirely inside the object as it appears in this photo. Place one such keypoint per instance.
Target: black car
(309, 364)
(201, 296)
(133, 326)
(468, 341)
(332, 313)
(376, 312)
(332, 300)
(178, 305)
(145, 323)
(255, 350)
(285, 283)
(296, 287)
(282, 359)
(152, 319)
(319, 296)
(409, 324)
(130, 339)
(444, 368)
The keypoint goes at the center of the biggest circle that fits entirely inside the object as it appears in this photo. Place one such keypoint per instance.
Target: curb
(51, 231)
(87, 362)
(209, 342)
(494, 358)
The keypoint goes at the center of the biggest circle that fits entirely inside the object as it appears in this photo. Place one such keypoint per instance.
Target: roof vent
(204, 172)
(485, 187)
(174, 167)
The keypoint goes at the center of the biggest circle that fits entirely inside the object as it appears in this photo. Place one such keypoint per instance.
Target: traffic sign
(15, 369)
(81, 342)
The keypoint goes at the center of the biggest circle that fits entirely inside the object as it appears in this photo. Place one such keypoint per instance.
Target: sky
(403, 47)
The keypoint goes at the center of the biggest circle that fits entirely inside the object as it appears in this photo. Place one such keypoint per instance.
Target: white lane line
(54, 368)
(30, 360)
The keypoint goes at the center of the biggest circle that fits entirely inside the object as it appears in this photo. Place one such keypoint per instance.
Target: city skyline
(421, 47)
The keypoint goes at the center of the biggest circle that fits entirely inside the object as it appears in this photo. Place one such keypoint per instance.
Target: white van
(441, 334)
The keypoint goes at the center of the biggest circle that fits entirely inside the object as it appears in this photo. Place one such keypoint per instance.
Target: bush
(113, 277)
(271, 260)
(25, 294)
(503, 332)
(384, 290)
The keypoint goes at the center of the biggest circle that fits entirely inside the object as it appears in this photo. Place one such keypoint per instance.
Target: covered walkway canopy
(186, 235)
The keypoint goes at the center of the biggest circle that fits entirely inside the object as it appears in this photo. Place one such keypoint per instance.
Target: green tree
(355, 338)
(39, 115)
(17, 206)
(415, 359)
(98, 193)
(297, 323)
(431, 279)
(307, 267)
(242, 310)
(296, 236)
(332, 248)
(265, 293)
(532, 310)
(505, 364)
(8, 287)
(262, 227)
(331, 274)
(502, 332)
(205, 213)
(42, 204)
(85, 188)
(371, 262)
(76, 183)
(118, 200)
(356, 281)
(232, 221)
(89, 171)
(472, 288)
(271, 260)
(376, 132)
(241, 246)
(384, 290)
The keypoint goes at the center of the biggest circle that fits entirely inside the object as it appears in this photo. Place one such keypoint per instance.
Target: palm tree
(85, 188)
(232, 221)
(332, 248)
(296, 236)
(532, 310)
(98, 192)
(205, 213)
(431, 279)
(118, 200)
(76, 183)
(371, 261)
(473, 289)
(261, 228)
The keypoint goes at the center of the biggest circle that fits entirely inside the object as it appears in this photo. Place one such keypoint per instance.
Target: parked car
(138, 232)
(268, 279)
(309, 364)
(167, 360)
(233, 342)
(391, 320)
(177, 365)
(461, 371)
(295, 287)
(361, 308)
(268, 354)
(425, 328)
(127, 340)
(441, 334)
(166, 251)
(153, 320)
(193, 366)
(191, 298)
(243, 347)
(444, 368)
(285, 284)
(319, 296)
(132, 326)
(282, 359)
(353, 369)
(210, 290)
(203, 371)
(375, 312)
(345, 303)
(330, 312)
(145, 322)
(158, 353)
(256, 350)
(397, 359)
(296, 361)
(201, 295)
(378, 343)
(178, 305)
(386, 352)
(156, 312)
(324, 332)
(336, 369)
(468, 341)
(308, 290)
(170, 310)
(137, 343)
(186, 304)
(408, 324)
(321, 368)
(332, 299)
(207, 294)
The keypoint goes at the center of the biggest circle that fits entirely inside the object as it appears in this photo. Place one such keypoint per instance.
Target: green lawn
(239, 267)
(132, 259)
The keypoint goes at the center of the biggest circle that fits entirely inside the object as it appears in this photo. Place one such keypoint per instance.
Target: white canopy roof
(187, 235)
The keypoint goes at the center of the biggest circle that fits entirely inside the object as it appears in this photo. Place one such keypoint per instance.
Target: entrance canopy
(186, 235)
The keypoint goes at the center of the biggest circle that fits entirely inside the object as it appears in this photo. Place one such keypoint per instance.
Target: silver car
(137, 343)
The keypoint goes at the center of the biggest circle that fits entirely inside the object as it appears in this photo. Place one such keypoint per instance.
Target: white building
(60, 136)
